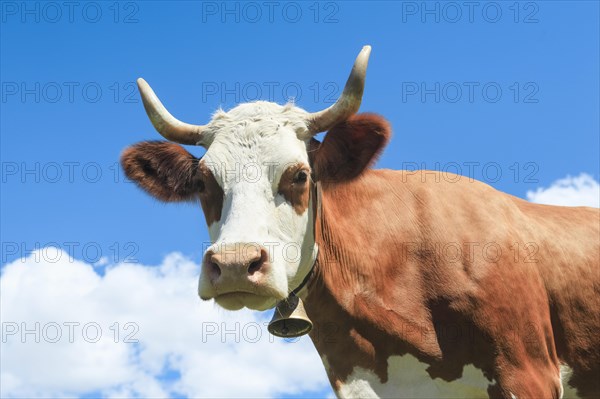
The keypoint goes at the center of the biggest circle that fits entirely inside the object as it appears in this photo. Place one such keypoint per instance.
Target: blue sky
(509, 88)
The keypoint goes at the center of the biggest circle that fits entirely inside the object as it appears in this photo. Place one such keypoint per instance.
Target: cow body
(419, 284)
(448, 280)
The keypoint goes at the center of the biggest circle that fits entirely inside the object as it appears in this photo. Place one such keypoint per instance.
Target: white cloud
(581, 190)
(205, 351)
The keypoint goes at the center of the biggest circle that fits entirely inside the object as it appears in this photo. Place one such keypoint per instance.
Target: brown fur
(211, 197)
(350, 147)
(386, 283)
(169, 173)
(164, 170)
(294, 192)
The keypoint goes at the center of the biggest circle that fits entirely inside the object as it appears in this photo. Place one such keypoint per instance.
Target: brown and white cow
(419, 285)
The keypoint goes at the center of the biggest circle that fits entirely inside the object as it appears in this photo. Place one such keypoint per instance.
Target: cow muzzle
(238, 275)
(234, 262)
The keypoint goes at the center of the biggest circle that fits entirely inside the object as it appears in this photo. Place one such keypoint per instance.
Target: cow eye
(301, 177)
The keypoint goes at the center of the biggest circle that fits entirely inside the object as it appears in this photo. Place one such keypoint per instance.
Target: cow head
(254, 184)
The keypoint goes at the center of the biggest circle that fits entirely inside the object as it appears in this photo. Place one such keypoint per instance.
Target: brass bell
(290, 319)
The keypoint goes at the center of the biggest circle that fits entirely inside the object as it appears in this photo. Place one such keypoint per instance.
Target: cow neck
(316, 204)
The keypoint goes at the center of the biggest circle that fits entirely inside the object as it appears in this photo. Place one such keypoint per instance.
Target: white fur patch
(408, 378)
(567, 391)
(251, 146)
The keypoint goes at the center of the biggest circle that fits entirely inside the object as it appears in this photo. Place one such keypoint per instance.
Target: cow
(418, 284)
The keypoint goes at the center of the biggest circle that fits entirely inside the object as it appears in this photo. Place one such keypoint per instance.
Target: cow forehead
(259, 113)
(255, 136)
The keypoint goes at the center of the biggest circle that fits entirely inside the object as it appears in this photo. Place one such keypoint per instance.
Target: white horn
(166, 124)
(348, 103)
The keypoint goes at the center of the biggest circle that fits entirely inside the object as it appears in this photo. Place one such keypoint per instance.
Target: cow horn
(166, 124)
(349, 101)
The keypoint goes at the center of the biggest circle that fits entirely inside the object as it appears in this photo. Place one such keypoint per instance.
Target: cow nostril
(258, 263)
(213, 269)
(255, 266)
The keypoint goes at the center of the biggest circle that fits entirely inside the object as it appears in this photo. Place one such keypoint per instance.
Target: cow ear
(350, 147)
(164, 170)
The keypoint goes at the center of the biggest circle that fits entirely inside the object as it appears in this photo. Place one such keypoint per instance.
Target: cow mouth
(235, 300)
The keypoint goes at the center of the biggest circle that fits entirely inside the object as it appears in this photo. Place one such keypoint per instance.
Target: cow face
(254, 185)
